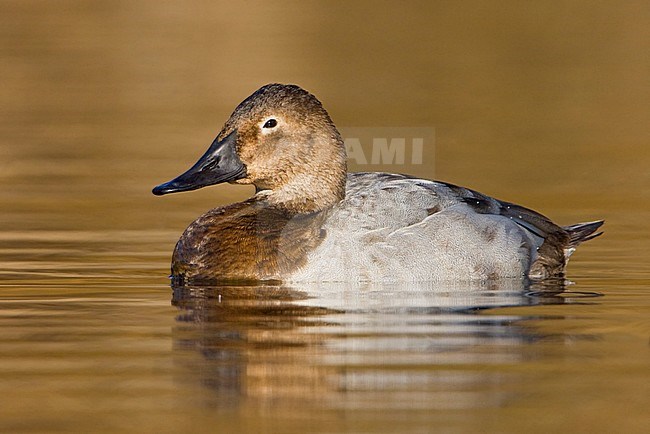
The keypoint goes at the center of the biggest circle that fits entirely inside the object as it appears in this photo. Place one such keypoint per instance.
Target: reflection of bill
(341, 346)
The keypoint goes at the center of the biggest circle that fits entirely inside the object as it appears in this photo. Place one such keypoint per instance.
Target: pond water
(102, 101)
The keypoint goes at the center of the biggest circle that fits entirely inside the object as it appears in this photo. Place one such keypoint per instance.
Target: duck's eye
(271, 123)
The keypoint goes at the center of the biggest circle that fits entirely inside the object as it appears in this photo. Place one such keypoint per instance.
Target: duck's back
(398, 228)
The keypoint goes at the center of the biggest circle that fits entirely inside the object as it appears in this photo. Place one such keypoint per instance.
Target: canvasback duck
(310, 220)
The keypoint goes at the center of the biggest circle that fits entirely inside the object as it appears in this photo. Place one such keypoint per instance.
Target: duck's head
(280, 139)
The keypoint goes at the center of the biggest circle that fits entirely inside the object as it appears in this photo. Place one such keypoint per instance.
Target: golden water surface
(544, 104)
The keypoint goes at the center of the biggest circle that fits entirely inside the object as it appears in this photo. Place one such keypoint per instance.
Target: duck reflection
(342, 346)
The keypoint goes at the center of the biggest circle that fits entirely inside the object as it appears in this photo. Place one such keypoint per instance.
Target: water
(100, 102)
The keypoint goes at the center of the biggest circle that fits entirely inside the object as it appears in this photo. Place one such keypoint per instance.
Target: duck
(312, 221)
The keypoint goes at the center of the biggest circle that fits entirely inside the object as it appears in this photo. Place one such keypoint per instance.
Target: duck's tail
(553, 254)
(580, 233)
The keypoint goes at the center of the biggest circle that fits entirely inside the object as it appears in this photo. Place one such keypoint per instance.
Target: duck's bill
(219, 164)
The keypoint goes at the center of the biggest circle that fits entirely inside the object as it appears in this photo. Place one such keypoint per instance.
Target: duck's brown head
(280, 139)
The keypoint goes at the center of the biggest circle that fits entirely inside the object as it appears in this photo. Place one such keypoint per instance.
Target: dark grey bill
(219, 164)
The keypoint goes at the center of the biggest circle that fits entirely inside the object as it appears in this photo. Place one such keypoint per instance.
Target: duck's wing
(537, 224)
(419, 198)
(397, 228)
(557, 242)
(385, 201)
(404, 210)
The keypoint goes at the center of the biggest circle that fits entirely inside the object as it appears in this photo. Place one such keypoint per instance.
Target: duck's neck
(307, 193)
(316, 183)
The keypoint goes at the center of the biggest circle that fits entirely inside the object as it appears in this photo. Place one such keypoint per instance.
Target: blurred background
(545, 104)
